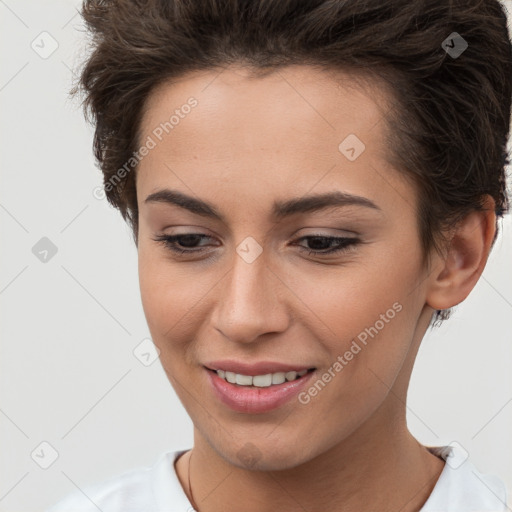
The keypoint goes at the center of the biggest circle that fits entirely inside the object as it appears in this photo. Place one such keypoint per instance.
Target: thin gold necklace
(190, 486)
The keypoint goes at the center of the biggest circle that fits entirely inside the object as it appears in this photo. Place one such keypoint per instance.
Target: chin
(263, 454)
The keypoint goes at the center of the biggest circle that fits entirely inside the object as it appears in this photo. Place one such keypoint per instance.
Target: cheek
(371, 316)
(342, 301)
(174, 299)
(365, 360)
(167, 294)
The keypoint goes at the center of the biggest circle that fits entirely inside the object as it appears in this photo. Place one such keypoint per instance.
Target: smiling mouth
(260, 381)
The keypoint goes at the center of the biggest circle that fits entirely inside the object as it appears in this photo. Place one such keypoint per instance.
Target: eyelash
(344, 244)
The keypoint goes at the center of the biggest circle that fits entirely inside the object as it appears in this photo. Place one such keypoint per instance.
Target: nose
(252, 302)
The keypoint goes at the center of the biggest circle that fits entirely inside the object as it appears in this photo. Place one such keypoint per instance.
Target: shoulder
(132, 491)
(462, 487)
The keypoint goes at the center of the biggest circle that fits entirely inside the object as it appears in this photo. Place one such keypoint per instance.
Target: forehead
(255, 134)
(311, 99)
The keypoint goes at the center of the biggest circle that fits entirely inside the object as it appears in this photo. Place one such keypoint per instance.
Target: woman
(311, 186)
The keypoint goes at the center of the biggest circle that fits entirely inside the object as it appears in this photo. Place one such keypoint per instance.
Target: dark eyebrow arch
(280, 209)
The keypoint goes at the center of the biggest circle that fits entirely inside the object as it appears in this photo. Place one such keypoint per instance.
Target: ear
(457, 272)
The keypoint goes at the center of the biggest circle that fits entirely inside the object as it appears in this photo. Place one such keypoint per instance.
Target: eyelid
(343, 244)
(334, 232)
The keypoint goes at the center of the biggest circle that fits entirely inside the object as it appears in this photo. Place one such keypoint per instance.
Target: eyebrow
(280, 209)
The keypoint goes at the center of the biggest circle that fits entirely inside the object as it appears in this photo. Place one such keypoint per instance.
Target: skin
(249, 142)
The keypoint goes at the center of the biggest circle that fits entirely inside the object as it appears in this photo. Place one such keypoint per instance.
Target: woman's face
(255, 150)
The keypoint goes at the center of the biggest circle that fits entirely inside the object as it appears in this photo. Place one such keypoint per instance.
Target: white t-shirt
(460, 488)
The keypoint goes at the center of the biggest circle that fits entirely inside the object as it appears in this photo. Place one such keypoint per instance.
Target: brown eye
(183, 243)
(321, 243)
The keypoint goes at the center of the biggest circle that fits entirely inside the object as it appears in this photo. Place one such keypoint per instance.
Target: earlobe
(458, 271)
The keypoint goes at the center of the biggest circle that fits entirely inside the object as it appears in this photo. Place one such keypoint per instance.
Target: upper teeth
(261, 381)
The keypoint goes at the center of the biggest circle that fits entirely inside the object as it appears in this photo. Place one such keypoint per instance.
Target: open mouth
(260, 381)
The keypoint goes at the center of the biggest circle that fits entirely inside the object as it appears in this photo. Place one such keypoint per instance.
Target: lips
(255, 400)
(256, 368)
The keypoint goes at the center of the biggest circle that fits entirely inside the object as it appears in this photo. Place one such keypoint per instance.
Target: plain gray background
(70, 324)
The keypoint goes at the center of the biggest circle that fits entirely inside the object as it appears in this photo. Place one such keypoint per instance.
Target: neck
(397, 473)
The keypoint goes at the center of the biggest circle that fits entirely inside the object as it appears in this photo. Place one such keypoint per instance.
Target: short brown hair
(449, 131)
